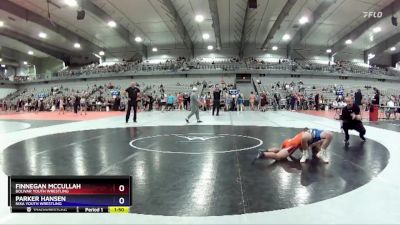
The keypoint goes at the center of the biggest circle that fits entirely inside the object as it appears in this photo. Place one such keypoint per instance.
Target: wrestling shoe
(305, 156)
(199, 121)
(362, 138)
(187, 120)
(260, 155)
(346, 142)
(322, 156)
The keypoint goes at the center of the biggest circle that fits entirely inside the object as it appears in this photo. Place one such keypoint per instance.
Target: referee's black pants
(76, 108)
(358, 126)
(216, 106)
(128, 111)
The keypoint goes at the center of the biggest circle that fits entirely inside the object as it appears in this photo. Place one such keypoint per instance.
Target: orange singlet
(293, 143)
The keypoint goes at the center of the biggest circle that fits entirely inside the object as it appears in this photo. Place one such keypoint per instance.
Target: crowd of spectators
(297, 96)
(280, 95)
(344, 66)
(232, 63)
(46, 99)
(225, 64)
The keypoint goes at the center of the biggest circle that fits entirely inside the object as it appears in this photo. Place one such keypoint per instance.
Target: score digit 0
(121, 201)
(121, 188)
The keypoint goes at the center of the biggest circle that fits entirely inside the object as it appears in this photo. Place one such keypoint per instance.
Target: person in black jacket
(358, 98)
(77, 100)
(375, 100)
(351, 120)
(216, 99)
(133, 93)
(316, 100)
(151, 100)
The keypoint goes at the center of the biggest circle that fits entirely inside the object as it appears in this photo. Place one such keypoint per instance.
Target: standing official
(194, 107)
(216, 100)
(133, 93)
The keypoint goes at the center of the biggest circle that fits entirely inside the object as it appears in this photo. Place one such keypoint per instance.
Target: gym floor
(202, 173)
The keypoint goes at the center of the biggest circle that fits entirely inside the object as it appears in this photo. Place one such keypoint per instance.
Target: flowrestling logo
(373, 14)
(197, 138)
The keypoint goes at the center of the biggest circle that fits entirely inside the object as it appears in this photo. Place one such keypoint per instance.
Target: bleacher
(7, 92)
(326, 87)
(224, 65)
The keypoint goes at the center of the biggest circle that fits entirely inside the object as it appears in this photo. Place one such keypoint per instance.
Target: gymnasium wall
(48, 66)
(384, 59)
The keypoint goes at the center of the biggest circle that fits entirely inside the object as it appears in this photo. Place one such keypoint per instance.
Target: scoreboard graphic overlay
(75, 194)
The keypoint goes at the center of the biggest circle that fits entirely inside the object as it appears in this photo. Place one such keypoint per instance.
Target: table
(387, 108)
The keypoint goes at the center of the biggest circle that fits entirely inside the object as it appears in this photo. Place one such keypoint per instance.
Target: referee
(216, 99)
(133, 93)
(352, 120)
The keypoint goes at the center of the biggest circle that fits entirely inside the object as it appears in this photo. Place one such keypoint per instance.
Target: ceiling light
(71, 3)
(377, 29)
(348, 42)
(154, 49)
(199, 18)
(286, 37)
(101, 53)
(371, 38)
(371, 55)
(303, 20)
(77, 45)
(25, 63)
(138, 39)
(112, 23)
(274, 48)
(392, 48)
(42, 35)
(206, 36)
(2, 65)
(329, 50)
(1, 23)
(30, 53)
(1, 59)
(210, 47)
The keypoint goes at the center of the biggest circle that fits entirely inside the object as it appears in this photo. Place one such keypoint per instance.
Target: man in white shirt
(390, 110)
(194, 107)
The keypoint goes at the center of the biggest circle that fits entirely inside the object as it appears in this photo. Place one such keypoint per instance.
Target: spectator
(170, 102)
(390, 110)
(358, 98)
(375, 100)
(264, 101)
(316, 99)
(186, 101)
